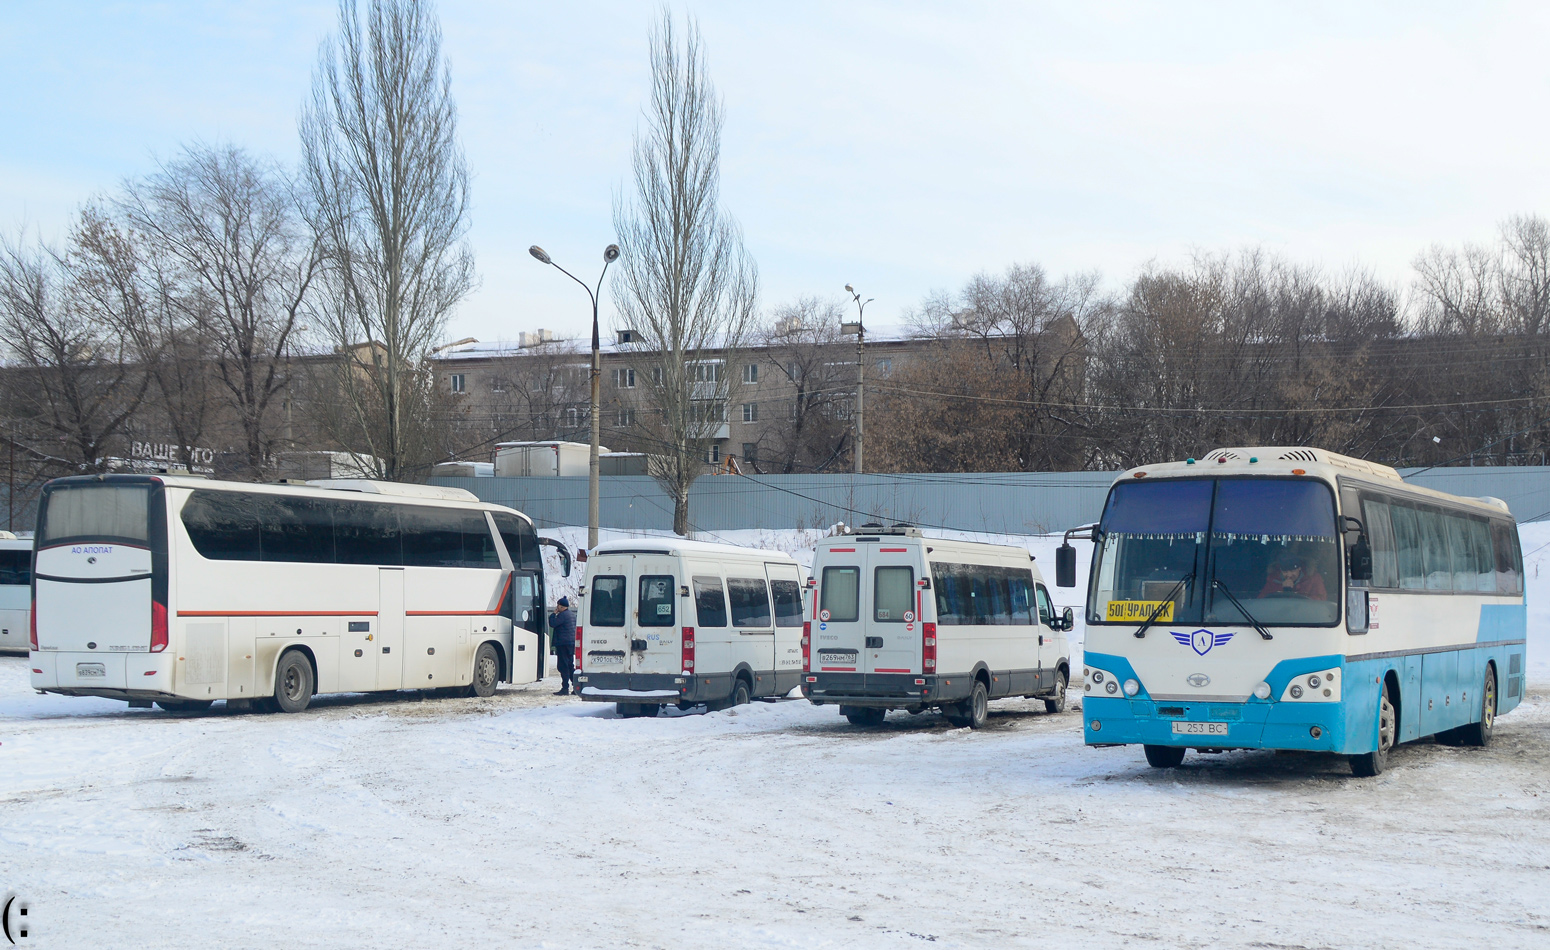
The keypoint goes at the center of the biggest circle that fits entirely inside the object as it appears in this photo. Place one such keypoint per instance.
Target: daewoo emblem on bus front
(1201, 641)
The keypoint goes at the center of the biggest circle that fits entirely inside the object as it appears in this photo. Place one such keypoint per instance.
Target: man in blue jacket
(562, 634)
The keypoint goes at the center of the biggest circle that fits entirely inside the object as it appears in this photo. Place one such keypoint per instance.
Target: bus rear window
(96, 513)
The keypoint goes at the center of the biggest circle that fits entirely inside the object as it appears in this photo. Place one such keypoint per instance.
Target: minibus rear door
(604, 634)
(893, 608)
(654, 639)
(838, 631)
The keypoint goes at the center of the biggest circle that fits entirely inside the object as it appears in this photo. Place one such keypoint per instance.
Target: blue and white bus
(1292, 598)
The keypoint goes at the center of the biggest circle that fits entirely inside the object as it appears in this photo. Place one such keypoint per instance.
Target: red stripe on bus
(452, 613)
(881, 670)
(837, 669)
(842, 550)
(893, 550)
(277, 613)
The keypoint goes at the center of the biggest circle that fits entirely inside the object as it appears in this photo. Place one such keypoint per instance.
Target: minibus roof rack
(898, 530)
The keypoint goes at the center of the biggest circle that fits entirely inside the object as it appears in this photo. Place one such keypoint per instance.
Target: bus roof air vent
(1305, 454)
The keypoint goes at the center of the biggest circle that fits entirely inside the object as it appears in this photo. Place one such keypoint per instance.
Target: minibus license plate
(605, 659)
(90, 670)
(837, 657)
(1200, 728)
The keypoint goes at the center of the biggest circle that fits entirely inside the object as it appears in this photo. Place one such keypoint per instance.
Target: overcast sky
(901, 146)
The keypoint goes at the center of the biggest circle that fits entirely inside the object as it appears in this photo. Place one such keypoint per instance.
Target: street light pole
(859, 329)
(610, 254)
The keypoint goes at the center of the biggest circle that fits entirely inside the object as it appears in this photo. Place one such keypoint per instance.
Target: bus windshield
(1179, 548)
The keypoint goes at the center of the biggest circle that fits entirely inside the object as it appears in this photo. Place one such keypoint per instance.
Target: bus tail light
(688, 650)
(32, 624)
(807, 646)
(928, 647)
(158, 626)
(578, 646)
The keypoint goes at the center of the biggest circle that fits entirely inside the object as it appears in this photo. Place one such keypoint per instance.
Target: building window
(625, 418)
(457, 380)
(624, 378)
(706, 371)
(795, 408)
(708, 410)
(751, 373)
(751, 453)
(656, 375)
(713, 454)
(572, 417)
(885, 367)
(750, 412)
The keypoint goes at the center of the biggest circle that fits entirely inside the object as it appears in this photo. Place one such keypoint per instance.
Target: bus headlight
(1320, 687)
(1262, 691)
(1132, 687)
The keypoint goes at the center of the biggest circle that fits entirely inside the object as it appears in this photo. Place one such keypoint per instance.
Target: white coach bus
(1292, 598)
(687, 622)
(901, 621)
(15, 592)
(182, 591)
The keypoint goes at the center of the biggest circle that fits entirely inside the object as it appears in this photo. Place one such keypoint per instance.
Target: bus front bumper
(1313, 727)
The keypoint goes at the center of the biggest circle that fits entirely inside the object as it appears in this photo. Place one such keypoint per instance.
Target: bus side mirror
(561, 550)
(1361, 560)
(1067, 619)
(1065, 565)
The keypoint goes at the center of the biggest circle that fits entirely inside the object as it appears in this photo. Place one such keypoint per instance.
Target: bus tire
(1368, 764)
(184, 705)
(1479, 733)
(1057, 703)
(1164, 756)
(293, 682)
(865, 716)
(487, 671)
(976, 709)
(740, 693)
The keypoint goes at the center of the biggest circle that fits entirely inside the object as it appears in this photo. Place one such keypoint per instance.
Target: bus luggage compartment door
(390, 628)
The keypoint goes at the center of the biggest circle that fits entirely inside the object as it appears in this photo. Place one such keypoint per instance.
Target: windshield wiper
(1242, 609)
(1141, 630)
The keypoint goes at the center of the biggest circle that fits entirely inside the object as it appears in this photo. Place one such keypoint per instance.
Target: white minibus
(1293, 598)
(15, 592)
(687, 622)
(901, 621)
(182, 591)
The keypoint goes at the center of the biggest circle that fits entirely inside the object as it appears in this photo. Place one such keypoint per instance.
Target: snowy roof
(497, 349)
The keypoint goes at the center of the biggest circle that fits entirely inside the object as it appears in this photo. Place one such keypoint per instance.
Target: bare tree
(686, 285)
(804, 350)
(388, 198)
(72, 383)
(225, 224)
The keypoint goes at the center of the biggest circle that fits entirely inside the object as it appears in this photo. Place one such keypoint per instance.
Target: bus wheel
(1479, 733)
(1372, 763)
(1057, 703)
(1164, 756)
(293, 683)
(978, 705)
(865, 715)
(487, 672)
(184, 705)
(740, 692)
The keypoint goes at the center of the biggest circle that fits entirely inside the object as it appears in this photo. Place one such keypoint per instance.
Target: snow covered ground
(534, 821)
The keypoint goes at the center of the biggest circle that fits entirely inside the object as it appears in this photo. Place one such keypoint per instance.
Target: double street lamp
(610, 254)
(859, 330)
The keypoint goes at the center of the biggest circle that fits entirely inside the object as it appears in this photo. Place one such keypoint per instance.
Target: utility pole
(859, 329)
(610, 254)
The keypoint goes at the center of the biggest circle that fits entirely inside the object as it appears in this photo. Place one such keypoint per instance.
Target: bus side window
(709, 602)
(1380, 535)
(1509, 559)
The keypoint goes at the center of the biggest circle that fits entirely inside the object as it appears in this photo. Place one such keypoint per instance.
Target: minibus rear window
(893, 594)
(658, 595)
(608, 601)
(839, 600)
